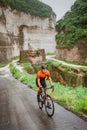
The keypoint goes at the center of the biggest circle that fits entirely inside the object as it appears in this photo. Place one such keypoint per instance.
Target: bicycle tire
(49, 111)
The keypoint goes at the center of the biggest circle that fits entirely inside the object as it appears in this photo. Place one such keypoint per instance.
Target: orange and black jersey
(40, 74)
(42, 77)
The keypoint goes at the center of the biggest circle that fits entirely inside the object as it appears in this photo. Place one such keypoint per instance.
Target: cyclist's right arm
(39, 84)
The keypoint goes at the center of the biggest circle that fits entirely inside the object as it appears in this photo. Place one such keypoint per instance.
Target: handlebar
(52, 87)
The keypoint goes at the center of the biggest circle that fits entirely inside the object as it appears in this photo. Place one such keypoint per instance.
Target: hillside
(72, 28)
(34, 7)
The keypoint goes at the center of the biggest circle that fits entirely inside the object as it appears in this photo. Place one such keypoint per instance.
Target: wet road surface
(19, 109)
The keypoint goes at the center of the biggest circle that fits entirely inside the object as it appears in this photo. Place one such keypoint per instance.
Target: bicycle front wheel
(49, 106)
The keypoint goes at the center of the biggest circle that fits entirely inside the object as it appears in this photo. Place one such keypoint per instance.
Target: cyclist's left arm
(52, 86)
(50, 80)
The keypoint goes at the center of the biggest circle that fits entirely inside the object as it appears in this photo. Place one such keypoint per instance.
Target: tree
(73, 24)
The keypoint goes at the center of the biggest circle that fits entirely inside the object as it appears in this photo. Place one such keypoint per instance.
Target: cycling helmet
(43, 66)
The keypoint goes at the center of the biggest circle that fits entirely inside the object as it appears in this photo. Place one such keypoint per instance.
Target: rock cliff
(76, 53)
(22, 31)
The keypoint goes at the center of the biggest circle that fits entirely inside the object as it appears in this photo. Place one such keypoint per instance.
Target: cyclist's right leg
(38, 93)
(43, 83)
(39, 90)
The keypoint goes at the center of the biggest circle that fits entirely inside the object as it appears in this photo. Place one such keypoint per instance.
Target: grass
(24, 77)
(28, 67)
(2, 65)
(74, 98)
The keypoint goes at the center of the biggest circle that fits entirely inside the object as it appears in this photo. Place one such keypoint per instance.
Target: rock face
(32, 56)
(76, 53)
(72, 77)
(19, 31)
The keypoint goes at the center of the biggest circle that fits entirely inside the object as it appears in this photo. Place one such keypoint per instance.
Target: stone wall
(33, 56)
(77, 53)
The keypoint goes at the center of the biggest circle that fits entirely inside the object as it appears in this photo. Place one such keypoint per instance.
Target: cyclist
(40, 79)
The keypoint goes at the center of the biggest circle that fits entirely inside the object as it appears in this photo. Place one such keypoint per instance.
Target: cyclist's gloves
(52, 88)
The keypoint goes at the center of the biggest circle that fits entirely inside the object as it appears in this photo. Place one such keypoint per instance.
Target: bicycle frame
(44, 99)
(44, 89)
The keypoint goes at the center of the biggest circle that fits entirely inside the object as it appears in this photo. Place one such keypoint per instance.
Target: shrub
(73, 26)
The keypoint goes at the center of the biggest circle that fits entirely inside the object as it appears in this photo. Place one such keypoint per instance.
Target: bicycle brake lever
(52, 88)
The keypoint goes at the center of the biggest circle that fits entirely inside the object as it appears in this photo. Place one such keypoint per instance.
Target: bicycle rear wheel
(49, 106)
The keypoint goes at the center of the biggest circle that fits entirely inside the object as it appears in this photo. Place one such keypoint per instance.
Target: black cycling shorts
(42, 82)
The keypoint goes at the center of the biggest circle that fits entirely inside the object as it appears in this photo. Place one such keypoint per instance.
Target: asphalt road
(19, 109)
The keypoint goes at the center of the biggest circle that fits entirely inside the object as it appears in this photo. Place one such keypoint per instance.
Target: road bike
(46, 100)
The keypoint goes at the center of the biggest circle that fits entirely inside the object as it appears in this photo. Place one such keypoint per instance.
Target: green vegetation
(74, 98)
(15, 58)
(51, 63)
(66, 74)
(2, 65)
(72, 28)
(34, 7)
(28, 67)
(23, 76)
(64, 68)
